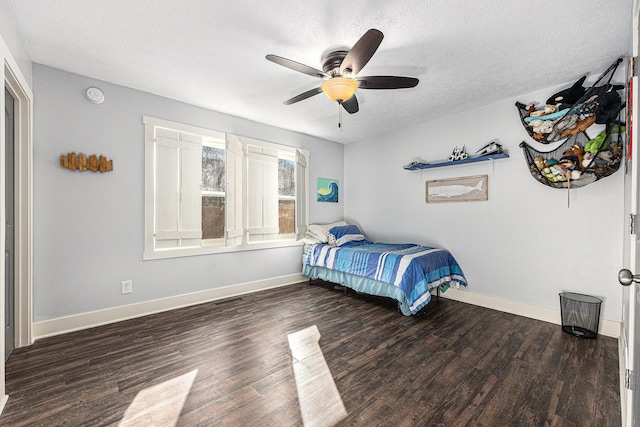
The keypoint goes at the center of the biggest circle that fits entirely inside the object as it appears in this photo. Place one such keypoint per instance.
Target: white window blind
(234, 230)
(178, 214)
(262, 193)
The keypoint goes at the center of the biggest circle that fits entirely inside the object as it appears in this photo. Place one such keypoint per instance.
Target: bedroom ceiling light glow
(339, 88)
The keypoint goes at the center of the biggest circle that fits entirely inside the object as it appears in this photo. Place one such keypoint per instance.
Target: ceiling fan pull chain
(340, 115)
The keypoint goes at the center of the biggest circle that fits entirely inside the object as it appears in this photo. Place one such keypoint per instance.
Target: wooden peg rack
(81, 162)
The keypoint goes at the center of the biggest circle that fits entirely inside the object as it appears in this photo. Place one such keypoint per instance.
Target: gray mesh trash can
(580, 314)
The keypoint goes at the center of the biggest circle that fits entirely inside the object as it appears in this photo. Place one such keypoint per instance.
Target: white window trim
(210, 246)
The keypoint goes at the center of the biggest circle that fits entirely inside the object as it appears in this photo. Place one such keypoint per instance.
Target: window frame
(211, 246)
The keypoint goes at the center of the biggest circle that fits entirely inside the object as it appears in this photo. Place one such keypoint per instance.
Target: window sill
(215, 249)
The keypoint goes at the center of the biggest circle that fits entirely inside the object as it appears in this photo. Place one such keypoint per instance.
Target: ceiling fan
(340, 69)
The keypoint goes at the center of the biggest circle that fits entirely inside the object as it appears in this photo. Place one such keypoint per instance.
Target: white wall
(88, 228)
(523, 244)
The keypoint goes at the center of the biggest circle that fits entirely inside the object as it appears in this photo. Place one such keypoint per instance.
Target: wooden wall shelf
(456, 162)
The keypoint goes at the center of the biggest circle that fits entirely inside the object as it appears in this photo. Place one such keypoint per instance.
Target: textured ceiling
(211, 53)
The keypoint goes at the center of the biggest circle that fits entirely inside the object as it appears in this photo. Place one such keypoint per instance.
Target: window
(208, 192)
(286, 195)
(213, 189)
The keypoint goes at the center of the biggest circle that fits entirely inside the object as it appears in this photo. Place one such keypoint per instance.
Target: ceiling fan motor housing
(331, 62)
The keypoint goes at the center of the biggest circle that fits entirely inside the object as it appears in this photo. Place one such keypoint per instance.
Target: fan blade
(351, 105)
(296, 66)
(386, 82)
(305, 95)
(361, 52)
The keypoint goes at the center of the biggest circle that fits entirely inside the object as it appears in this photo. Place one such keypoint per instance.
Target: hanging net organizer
(580, 159)
(573, 110)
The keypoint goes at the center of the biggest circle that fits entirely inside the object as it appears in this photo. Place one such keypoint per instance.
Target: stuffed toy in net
(573, 110)
(578, 161)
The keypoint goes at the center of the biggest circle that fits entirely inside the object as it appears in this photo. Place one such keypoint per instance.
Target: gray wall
(523, 244)
(88, 228)
(9, 33)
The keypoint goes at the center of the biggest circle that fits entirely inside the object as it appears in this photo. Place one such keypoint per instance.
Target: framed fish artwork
(327, 190)
(463, 189)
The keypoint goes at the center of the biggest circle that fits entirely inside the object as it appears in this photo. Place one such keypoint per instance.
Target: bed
(408, 273)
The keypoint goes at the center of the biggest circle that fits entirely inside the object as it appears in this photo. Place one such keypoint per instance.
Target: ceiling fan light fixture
(339, 88)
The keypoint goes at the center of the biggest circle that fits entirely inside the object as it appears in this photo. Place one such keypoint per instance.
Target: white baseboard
(3, 402)
(606, 327)
(48, 328)
(91, 319)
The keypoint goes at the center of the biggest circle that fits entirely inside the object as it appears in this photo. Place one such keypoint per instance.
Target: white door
(630, 397)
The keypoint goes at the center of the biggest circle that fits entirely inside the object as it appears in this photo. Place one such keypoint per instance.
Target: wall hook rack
(81, 162)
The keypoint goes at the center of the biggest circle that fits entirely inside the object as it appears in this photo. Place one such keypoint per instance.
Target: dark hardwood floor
(230, 363)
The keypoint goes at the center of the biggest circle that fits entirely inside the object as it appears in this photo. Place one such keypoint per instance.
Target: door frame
(23, 205)
(19, 88)
(9, 254)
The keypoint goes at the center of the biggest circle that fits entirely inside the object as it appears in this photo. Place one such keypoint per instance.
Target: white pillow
(318, 231)
(310, 239)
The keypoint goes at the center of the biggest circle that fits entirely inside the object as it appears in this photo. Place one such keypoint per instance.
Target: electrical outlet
(127, 286)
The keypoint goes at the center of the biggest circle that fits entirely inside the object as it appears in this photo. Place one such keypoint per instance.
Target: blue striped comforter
(415, 269)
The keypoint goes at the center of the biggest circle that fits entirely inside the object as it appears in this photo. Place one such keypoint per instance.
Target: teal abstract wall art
(327, 190)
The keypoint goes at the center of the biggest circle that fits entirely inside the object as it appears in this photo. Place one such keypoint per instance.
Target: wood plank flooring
(230, 363)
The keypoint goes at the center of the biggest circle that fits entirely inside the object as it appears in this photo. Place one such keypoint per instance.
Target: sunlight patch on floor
(319, 398)
(159, 405)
